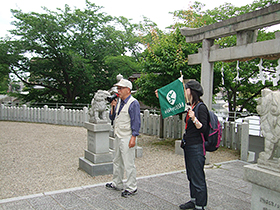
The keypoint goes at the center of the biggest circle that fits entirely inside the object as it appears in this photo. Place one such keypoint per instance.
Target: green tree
(67, 52)
(241, 80)
(164, 58)
(126, 40)
(4, 82)
(4, 67)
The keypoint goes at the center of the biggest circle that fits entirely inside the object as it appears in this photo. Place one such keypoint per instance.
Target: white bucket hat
(124, 83)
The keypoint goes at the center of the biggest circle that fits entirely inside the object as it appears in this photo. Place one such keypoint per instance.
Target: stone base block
(178, 149)
(95, 169)
(266, 187)
(138, 152)
(251, 156)
(112, 143)
(98, 158)
(97, 127)
(273, 164)
(262, 177)
(263, 198)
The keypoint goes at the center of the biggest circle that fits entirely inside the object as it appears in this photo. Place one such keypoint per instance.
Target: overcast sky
(156, 10)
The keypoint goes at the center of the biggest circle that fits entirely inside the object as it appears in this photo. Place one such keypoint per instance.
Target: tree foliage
(4, 68)
(70, 52)
(241, 80)
(163, 59)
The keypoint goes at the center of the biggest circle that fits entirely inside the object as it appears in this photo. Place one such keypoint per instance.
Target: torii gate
(245, 27)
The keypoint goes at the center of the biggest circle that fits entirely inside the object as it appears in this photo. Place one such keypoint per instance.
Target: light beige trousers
(124, 160)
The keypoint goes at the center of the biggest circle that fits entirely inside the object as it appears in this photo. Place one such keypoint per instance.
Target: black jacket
(192, 135)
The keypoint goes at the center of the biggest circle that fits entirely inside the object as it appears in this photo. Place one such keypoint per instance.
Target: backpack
(215, 132)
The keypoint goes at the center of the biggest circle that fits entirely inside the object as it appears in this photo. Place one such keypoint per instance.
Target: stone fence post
(244, 138)
(145, 123)
(85, 114)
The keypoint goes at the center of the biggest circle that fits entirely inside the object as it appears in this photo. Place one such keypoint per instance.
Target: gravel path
(37, 158)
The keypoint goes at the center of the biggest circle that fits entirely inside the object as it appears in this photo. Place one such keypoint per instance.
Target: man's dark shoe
(188, 205)
(127, 194)
(110, 186)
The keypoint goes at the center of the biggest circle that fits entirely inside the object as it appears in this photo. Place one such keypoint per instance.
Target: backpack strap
(202, 135)
(196, 108)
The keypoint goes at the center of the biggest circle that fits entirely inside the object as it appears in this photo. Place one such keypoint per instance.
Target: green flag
(172, 98)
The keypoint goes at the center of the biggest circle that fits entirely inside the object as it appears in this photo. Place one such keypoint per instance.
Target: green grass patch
(165, 142)
(235, 152)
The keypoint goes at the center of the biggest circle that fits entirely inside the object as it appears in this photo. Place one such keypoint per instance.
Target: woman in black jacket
(197, 124)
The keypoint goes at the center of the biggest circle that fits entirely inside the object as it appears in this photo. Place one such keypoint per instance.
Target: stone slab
(95, 169)
(44, 202)
(263, 198)
(97, 127)
(98, 158)
(262, 177)
(159, 191)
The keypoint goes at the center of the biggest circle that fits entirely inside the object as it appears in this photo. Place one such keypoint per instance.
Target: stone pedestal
(265, 187)
(98, 159)
(265, 175)
(178, 149)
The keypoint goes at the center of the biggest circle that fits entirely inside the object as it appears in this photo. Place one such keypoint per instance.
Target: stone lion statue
(269, 111)
(97, 111)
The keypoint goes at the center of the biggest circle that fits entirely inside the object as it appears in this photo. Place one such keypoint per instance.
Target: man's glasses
(120, 88)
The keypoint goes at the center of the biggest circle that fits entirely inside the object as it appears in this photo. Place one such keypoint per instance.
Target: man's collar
(126, 100)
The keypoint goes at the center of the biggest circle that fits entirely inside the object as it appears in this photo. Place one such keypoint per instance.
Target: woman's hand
(191, 114)
(197, 124)
(156, 92)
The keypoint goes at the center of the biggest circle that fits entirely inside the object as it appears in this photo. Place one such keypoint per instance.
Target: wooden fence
(59, 116)
(235, 134)
(150, 123)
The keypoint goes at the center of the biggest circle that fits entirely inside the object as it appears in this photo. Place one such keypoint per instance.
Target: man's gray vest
(122, 120)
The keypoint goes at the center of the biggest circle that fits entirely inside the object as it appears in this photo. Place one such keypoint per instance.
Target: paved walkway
(226, 191)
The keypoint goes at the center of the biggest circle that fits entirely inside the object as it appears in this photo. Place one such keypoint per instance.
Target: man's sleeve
(135, 119)
(112, 116)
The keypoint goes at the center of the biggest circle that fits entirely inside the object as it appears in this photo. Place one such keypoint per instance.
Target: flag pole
(185, 91)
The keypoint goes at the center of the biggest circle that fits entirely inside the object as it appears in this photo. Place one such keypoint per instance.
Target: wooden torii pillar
(245, 27)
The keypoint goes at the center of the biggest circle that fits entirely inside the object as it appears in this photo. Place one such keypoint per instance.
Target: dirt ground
(37, 158)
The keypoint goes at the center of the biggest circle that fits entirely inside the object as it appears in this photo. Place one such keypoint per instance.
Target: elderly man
(126, 116)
